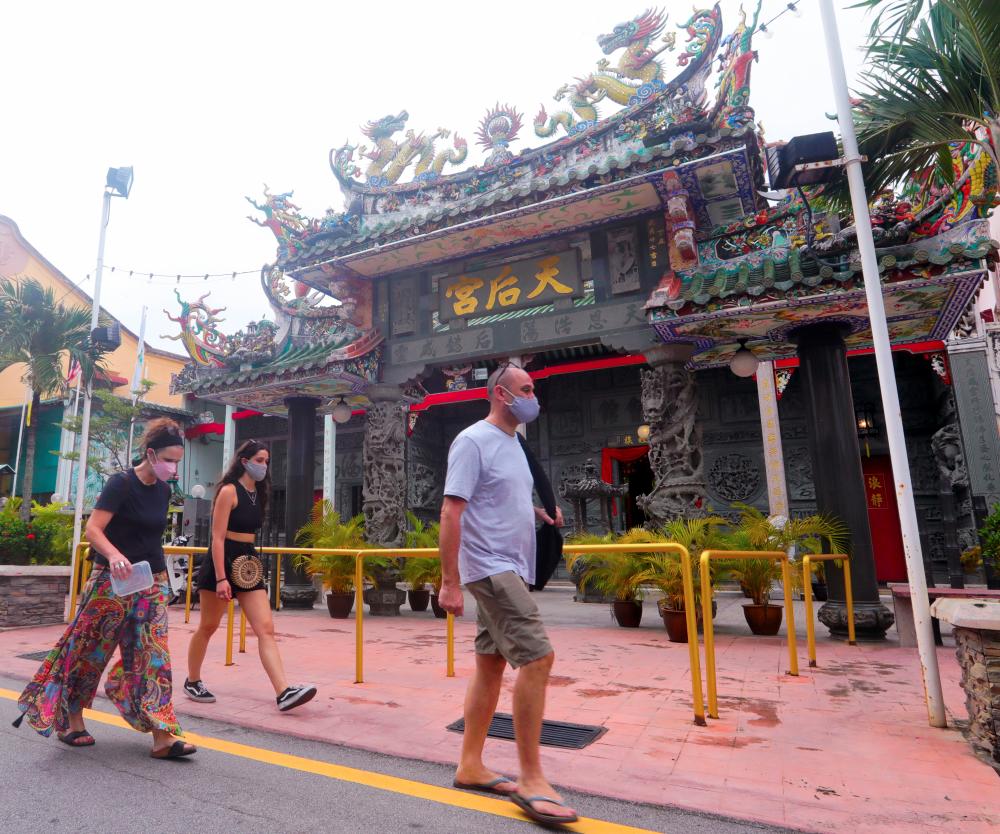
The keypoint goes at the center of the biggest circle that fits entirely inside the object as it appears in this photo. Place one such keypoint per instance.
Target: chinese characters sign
(875, 492)
(528, 283)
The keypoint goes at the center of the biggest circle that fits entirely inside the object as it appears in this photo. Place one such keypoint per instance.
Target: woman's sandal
(177, 750)
(78, 738)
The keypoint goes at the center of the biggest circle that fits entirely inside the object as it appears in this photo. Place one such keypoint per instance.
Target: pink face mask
(163, 469)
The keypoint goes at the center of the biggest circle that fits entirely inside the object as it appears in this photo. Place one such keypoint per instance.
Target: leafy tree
(38, 331)
(109, 430)
(932, 78)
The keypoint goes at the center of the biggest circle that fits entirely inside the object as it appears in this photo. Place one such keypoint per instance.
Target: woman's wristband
(220, 581)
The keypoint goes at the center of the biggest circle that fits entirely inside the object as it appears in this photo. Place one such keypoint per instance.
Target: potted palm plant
(576, 566)
(807, 534)
(697, 535)
(326, 530)
(421, 571)
(619, 576)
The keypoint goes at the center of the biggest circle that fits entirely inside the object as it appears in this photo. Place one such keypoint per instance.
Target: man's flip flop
(177, 750)
(486, 787)
(79, 738)
(525, 804)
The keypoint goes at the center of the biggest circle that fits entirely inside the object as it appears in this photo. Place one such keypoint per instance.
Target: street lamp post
(117, 184)
(886, 375)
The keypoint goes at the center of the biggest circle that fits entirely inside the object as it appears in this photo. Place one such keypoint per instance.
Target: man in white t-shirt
(488, 543)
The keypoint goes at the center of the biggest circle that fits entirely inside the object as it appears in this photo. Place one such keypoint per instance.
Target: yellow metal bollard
(810, 625)
(243, 631)
(451, 645)
(692, 624)
(359, 602)
(230, 611)
(793, 649)
(76, 580)
(706, 616)
(849, 594)
(277, 583)
(190, 582)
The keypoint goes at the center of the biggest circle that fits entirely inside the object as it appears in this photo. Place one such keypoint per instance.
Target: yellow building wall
(19, 259)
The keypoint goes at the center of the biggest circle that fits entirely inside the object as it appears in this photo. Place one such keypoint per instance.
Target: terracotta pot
(419, 599)
(675, 623)
(340, 605)
(439, 612)
(763, 619)
(628, 614)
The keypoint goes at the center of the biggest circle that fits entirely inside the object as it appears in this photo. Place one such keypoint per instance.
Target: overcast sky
(210, 100)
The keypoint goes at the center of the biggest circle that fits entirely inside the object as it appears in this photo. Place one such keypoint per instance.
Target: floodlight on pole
(118, 183)
(886, 375)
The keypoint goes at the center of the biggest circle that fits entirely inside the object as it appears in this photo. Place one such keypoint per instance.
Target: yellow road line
(379, 781)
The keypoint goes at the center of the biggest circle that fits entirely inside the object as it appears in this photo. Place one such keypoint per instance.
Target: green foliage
(109, 430)
(931, 78)
(422, 570)
(44, 540)
(989, 538)
(40, 333)
(53, 528)
(756, 576)
(326, 530)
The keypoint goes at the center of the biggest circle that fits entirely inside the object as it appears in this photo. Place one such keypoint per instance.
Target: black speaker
(815, 147)
(106, 338)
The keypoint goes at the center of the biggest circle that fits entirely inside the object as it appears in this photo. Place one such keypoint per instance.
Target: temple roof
(927, 284)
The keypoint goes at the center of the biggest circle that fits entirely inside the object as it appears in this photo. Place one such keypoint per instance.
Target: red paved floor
(844, 747)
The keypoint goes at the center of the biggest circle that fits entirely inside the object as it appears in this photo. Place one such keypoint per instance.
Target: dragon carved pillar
(669, 407)
(384, 457)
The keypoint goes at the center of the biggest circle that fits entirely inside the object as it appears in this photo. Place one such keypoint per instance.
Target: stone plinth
(32, 595)
(976, 625)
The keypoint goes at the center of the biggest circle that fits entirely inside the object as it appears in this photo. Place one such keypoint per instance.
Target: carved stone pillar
(384, 457)
(297, 591)
(669, 408)
(839, 481)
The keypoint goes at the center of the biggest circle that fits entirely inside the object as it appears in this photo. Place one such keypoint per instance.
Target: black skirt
(206, 573)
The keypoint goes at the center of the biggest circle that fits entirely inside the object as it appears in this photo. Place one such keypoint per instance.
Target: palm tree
(38, 331)
(932, 78)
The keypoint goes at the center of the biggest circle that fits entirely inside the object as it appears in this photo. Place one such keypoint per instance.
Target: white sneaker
(295, 696)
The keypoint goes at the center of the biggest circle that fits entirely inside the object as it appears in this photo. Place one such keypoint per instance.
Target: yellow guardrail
(807, 561)
(706, 613)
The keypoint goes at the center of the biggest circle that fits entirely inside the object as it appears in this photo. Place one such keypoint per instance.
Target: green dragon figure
(202, 340)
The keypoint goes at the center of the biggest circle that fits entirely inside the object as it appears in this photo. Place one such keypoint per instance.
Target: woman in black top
(232, 567)
(126, 527)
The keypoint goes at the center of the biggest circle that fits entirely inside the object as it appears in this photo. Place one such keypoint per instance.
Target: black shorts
(206, 573)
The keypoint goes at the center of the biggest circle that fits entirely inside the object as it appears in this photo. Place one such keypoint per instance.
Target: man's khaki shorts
(508, 620)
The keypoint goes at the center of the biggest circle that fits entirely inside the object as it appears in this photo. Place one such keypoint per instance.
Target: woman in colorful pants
(126, 527)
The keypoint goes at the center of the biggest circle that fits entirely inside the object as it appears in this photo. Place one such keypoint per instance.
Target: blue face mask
(524, 409)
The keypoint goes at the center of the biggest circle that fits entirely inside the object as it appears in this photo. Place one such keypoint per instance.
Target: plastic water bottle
(140, 579)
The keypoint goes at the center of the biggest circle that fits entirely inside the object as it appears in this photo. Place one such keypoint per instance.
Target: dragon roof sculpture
(658, 121)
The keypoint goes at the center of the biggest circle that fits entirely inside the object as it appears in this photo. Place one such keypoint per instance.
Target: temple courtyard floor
(844, 747)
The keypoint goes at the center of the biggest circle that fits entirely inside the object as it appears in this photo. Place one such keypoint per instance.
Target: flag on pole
(140, 359)
(74, 373)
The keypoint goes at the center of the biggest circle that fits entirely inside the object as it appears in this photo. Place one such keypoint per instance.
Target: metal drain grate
(35, 655)
(554, 733)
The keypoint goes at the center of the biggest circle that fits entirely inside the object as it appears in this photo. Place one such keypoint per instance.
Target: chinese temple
(627, 262)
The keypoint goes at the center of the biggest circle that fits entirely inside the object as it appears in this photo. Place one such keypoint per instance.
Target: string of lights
(790, 8)
(166, 278)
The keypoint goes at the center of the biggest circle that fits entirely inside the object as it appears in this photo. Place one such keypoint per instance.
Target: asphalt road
(246, 781)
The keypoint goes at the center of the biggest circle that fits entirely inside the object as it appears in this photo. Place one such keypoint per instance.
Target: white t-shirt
(487, 468)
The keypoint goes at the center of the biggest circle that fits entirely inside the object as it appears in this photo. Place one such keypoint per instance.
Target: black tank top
(245, 517)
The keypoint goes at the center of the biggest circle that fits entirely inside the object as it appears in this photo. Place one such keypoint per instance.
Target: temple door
(883, 517)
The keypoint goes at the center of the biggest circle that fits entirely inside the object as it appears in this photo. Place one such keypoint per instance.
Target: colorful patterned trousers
(139, 684)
